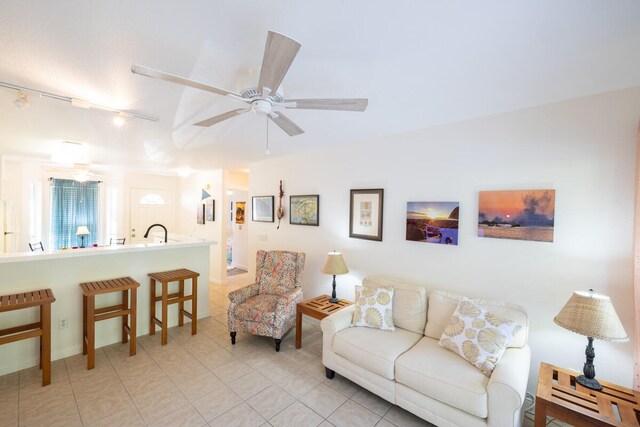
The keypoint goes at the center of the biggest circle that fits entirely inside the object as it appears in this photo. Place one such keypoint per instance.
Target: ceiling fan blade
(353, 104)
(279, 53)
(285, 123)
(222, 117)
(150, 72)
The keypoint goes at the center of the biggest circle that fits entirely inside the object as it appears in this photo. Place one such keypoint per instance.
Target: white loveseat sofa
(407, 367)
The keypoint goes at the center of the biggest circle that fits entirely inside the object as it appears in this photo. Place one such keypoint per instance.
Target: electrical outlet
(63, 323)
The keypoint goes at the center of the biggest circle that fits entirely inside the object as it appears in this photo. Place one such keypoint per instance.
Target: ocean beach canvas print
(517, 214)
(433, 222)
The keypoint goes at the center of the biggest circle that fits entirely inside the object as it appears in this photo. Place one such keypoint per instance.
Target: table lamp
(82, 231)
(334, 265)
(591, 315)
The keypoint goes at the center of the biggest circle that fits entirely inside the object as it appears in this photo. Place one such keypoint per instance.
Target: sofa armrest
(241, 295)
(337, 321)
(507, 387)
(330, 325)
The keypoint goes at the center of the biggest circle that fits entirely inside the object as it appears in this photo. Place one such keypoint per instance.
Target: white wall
(583, 148)
(190, 189)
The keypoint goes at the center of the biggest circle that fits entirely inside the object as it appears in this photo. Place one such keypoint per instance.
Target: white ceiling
(420, 63)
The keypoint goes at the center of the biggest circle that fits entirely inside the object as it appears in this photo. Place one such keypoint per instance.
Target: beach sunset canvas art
(517, 214)
(433, 222)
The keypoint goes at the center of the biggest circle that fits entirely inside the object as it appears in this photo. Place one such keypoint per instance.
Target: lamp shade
(335, 264)
(82, 231)
(592, 315)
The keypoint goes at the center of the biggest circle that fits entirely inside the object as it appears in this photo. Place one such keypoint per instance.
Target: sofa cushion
(374, 349)
(477, 335)
(409, 302)
(442, 305)
(443, 376)
(373, 308)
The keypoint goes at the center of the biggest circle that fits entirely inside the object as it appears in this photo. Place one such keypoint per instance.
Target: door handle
(133, 235)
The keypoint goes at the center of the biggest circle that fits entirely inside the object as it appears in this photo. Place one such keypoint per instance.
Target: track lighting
(22, 101)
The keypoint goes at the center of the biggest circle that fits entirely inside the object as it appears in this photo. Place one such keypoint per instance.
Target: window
(73, 204)
(152, 199)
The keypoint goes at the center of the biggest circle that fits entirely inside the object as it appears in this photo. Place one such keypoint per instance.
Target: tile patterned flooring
(198, 381)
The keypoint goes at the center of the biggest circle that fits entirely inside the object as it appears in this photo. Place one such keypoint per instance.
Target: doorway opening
(237, 234)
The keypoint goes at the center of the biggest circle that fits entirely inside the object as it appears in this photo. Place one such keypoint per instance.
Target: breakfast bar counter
(63, 271)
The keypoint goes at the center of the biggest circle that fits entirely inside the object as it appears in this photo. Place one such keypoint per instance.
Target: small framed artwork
(210, 210)
(200, 214)
(262, 209)
(517, 214)
(304, 210)
(365, 214)
(240, 212)
(433, 222)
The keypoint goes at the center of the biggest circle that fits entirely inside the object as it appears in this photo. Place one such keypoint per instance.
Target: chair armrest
(285, 312)
(294, 296)
(337, 321)
(241, 295)
(507, 387)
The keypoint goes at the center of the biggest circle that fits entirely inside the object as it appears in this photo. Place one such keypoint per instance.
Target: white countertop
(102, 250)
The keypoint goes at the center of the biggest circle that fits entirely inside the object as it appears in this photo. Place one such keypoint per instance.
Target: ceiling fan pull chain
(267, 120)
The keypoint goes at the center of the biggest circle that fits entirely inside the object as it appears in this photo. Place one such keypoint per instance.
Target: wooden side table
(559, 396)
(318, 308)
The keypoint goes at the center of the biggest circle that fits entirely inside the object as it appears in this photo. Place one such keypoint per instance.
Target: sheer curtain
(73, 204)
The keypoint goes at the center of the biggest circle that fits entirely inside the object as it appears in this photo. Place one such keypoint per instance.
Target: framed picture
(210, 210)
(304, 210)
(240, 212)
(200, 214)
(262, 209)
(517, 214)
(365, 214)
(433, 222)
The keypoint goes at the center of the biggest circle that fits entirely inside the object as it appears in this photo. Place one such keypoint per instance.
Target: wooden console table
(559, 396)
(318, 308)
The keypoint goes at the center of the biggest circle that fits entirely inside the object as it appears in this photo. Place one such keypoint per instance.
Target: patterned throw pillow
(373, 308)
(477, 335)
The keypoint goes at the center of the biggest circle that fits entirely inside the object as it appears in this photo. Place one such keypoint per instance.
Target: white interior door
(147, 207)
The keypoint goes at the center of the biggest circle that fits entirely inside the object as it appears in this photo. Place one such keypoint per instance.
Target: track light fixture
(119, 119)
(22, 101)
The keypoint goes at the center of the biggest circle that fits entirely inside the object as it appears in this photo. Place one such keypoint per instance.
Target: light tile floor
(196, 381)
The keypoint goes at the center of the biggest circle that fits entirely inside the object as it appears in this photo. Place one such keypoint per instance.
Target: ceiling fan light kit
(264, 100)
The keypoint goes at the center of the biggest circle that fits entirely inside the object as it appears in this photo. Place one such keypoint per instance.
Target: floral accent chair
(268, 306)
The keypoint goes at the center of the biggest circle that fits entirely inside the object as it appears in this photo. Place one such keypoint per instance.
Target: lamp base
(590, 383)
(333, 298)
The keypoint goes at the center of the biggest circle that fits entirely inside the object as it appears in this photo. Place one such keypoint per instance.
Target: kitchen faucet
(159, 225)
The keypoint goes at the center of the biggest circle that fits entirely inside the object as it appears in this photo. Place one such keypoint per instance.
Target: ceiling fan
(80, 172)
(265, 100)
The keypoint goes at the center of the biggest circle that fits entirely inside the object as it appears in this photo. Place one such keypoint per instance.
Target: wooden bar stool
(42, 298)
(91, 314)
(179, 297)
